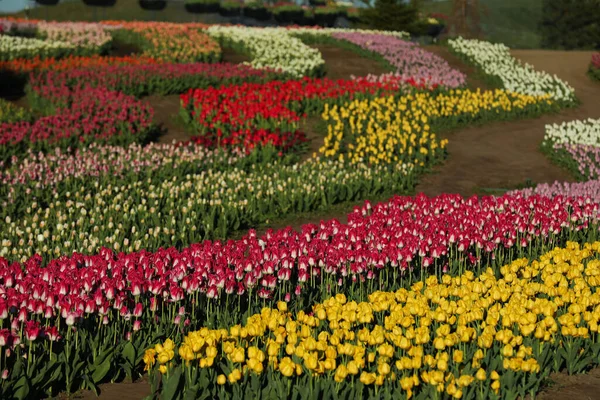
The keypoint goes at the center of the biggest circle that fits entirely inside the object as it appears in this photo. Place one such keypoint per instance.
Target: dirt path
(502, 155)
(342, 64)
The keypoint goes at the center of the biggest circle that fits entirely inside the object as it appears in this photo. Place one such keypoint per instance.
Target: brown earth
(474, 79)
(117, 391)
(166, 112)
(503, 155)
(343, 63)
(575, 387)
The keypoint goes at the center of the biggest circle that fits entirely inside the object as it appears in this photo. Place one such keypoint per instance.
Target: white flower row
(143, 213)
(330, 31)
(495, 59)
(583, 132)
(12, 47)
(272, 48)
(277, 48)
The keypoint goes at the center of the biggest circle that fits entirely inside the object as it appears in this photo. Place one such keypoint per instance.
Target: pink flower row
(41, 169)
(76, 33)
(589, 189)
(587, 158)
(377, 243)
(90, 114)
(410, 60)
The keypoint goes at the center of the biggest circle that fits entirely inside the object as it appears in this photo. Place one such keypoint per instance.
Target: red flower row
(378, 242)
(224, 115)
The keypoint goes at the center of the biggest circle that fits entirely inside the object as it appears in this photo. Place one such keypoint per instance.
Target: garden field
(192, 211)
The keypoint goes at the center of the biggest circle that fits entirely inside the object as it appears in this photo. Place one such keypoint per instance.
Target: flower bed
(410, 60)
(74, 118)
(495, 60)
(271, 49)
(492, 336)
(94, 38)
(13, 47)
(224, 116)
(89, 115)
(176, 43)
(575, 145)
(94, 315)
(28, 65)
(589, 189)
(281, 48)
(140, 80)
(184, 204)
(398, 129)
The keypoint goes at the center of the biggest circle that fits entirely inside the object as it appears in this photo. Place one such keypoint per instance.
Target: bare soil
(575, 387)
(503, 155)
(343, 63)
(166, 112)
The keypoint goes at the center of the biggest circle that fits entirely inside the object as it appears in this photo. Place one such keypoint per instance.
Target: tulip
(4, 337)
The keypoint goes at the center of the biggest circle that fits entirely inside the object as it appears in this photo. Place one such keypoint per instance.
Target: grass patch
(130, 10)
(514, 23)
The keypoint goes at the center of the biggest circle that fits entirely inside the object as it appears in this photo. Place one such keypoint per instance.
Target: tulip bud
(137, 325)
(5, 374)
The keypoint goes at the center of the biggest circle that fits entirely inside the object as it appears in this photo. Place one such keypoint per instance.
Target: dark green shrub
(257, 11)
(230, 8)
(288, 14)
(570, 24)
(391, 15)
(326, 16)
(202, 6)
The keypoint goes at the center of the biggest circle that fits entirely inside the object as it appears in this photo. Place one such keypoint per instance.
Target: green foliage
(514, 23)
(594, 73)
(391, 15)
(12, 113)
(289, 13)
(202, 2)
(230, 5)
(570, 24)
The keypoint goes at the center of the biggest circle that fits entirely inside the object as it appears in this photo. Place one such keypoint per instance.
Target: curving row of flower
(92, 317)
(495, 60)
(409, 60)
(203, 196)
(497, 335)
(37, 64)
(85, 105)
(281, 48)
(90, 36)
(271, 48)
(88, 115)
(140, 80)
(229, 115)
(13, 47)
(170, 42)
(576, 146)
(387, 129)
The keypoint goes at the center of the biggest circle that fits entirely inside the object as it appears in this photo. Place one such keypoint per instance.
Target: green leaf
(171, 385)
(22, 388)
(129, 353)
(101, 370)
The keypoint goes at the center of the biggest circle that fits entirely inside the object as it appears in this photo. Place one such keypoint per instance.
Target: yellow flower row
(391, 130)
(448, 333)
